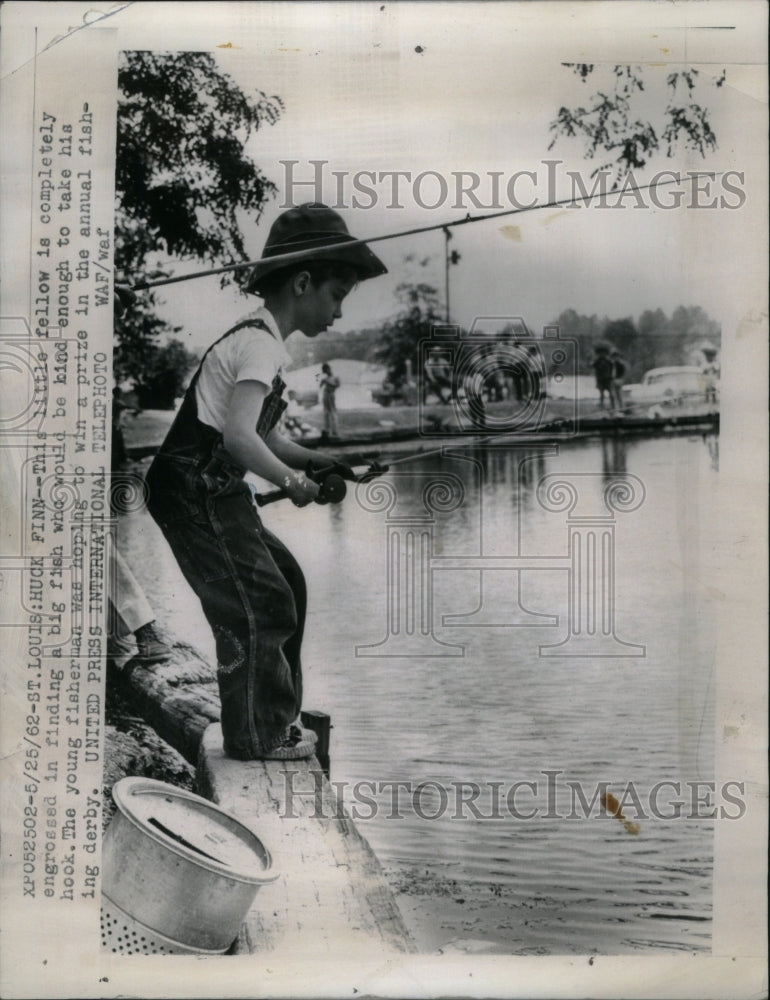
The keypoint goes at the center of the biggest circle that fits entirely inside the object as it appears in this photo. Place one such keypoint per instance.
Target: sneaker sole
(301, 751)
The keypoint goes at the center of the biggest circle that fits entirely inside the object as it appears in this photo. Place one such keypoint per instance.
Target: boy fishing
(251, 588)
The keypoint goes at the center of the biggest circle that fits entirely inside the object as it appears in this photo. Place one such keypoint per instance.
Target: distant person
(603, 370)
(618, 379)
(711, 374)
(329, 385)
(518, 373)
(536, 369)
(495, 380)
(438, 376)
(473, 384)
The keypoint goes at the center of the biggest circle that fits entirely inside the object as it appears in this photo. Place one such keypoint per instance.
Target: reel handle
(331, 489)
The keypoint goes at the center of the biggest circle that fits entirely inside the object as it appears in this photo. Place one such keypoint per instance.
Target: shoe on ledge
(297, 744)
(151, 648)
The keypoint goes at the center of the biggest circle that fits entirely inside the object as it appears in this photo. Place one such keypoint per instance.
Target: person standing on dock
(618, 378)
(251, 588)
(603, 370)
(711, 372)
(536, 372)
(518, 373)
(329, 384)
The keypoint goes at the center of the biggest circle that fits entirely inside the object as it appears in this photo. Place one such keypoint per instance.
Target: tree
(615, 126)
(652, 322)
(400, 336)
(164, 379)
(693, 323)
(183, 181)
(623, 335)
(358, 345)
(586, 330)
(654, 342)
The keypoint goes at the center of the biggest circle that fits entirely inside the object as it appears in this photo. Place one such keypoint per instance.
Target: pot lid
(194, 828)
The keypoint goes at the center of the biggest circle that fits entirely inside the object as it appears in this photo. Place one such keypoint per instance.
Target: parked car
(664, 389)
(305, 398)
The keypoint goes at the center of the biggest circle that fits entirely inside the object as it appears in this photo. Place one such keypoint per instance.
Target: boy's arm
(298, 457)
(249, 450)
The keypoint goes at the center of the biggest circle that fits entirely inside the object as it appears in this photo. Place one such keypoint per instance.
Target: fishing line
(303, 254)
(333, 488)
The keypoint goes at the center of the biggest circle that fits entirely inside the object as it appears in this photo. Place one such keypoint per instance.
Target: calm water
(549, 880)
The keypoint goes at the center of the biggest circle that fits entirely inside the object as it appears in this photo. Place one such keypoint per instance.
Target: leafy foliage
(163, 380)
(656, 340)
(400, 336)
(357, 345)
(183, 181)
(181, 171)
(613, 126)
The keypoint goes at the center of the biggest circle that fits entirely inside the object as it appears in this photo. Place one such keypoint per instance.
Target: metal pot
(179, 873)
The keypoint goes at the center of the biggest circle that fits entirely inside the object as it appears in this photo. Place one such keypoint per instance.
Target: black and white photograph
(384, 455)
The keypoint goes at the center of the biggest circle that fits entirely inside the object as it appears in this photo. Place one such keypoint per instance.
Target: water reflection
(712, 444)
(613, 456)
(515, 469)
(502, 713)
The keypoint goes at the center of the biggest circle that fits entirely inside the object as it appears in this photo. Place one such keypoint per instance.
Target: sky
(474, 88)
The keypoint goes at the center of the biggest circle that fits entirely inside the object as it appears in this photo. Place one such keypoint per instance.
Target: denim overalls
(250, 586)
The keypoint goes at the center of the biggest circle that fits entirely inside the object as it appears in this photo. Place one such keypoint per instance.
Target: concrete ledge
(331, 896)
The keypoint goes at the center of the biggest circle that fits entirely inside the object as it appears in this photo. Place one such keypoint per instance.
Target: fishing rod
(332, 485)
(294, 255)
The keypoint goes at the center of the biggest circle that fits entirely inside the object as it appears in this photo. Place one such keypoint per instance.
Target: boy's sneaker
(297, 744)
(151, 647)
(298, 731)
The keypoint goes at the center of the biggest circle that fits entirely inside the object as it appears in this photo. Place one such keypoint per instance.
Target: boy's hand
(326, 464)
(343, 469)
(300, 490)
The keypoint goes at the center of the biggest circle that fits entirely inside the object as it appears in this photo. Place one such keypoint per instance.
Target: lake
(533, 632)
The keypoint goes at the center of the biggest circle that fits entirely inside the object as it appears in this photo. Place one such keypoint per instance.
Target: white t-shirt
(250, 354)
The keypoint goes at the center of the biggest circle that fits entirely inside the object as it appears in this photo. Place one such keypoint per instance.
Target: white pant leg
(131, 606)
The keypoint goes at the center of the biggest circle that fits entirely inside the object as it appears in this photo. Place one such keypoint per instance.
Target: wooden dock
(331, 897)
(377, 442)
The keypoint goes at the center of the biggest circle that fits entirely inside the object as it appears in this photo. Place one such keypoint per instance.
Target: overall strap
(256, 324)
(188, 437)
(273, 405)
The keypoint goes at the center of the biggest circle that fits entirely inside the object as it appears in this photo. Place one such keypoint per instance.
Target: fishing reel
(331, 479)
(332, 488)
